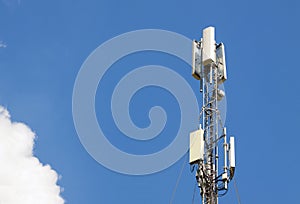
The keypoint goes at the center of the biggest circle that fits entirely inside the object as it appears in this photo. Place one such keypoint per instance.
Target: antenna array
(209, 67)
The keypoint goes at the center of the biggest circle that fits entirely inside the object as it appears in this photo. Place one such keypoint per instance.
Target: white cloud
(23, 179)
(2, 45)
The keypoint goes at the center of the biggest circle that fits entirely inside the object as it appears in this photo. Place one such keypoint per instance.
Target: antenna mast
(209, 68)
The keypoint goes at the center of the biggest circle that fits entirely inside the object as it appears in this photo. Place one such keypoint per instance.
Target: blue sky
(47, 42)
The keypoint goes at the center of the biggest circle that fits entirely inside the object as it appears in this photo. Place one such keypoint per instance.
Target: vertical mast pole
(209, 67)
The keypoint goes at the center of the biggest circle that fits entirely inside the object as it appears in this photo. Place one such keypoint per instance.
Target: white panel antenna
(196, 146)
(209, 46)
(221, 63)
(231, 156)
(196, 60)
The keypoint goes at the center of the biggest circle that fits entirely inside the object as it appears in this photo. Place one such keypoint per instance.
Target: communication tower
(209, 143)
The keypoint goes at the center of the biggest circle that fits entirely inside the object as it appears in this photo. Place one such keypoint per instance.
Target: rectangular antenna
(220, 52)
(196, 146)
(197, 60)
(209, 46)
(231, 157)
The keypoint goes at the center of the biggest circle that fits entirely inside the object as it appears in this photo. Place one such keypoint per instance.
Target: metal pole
(212, 73)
